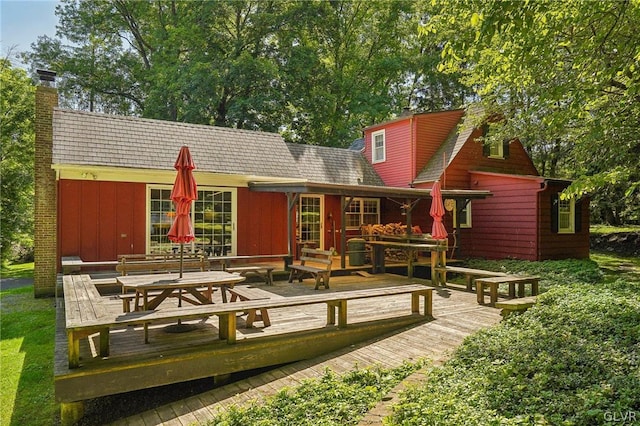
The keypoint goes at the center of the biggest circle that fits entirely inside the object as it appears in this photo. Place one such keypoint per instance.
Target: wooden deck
(456, 315)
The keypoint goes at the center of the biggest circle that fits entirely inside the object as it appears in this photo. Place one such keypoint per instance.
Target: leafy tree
(17, 134)
(317, 71)
(565, 77)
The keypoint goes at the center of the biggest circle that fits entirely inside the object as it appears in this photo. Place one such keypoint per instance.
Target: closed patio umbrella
(183, 193)
(438, 231)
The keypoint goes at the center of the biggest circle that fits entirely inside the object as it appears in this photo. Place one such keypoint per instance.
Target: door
(310, 221)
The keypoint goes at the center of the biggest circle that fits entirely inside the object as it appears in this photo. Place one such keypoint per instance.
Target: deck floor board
(456, 313)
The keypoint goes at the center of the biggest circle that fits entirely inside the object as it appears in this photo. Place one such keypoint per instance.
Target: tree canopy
(17, 134)
(566, 78)
(317, 71)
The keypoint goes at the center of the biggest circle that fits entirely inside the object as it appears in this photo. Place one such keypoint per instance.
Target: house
(524, 218)
(103, 185)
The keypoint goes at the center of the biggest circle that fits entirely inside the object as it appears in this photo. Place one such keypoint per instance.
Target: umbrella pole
(180, 290)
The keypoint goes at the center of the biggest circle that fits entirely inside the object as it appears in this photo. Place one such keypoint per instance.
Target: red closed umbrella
(183, 193)
(438, 231)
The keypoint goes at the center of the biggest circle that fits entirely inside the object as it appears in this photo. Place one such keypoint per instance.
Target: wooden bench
(229, 261)
(469, 273)
(336, 303)
(127, 298)
(516, 305)
(74, 264)
(320, 268)
(244, 293)
(83, 305)
(264, 272)
(160, 263)
(512, 280)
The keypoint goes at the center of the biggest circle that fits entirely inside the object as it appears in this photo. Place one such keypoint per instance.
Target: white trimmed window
(213, 216)
(462, 214)
(378, 149)
(362, 211)
(566, 216)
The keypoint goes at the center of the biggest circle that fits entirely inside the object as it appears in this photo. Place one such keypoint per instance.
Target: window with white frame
(362, 211)
(462, 214)
(566, 216)
(378, 146)
(212, 217)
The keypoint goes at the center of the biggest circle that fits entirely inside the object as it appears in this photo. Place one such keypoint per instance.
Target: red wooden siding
(396, 170)
(100, 220)
(262, 222)
(431, 130)
(504, 225)
(561, 246)
(470, 158)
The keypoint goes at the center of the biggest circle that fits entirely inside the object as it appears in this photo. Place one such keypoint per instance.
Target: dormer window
(496, 150)
(378, 148)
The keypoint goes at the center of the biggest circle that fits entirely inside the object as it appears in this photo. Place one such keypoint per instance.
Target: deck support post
(227, 324)
(71, 412)
(341, 305)
(428, 302)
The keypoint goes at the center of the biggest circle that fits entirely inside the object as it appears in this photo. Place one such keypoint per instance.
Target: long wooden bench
(320, 267)
(519, 305)
(161, 263)
(244, 293)
(85, 314)
(511, 280)
(241, 260)
(226, 312)
(469, 273)
(265, 272)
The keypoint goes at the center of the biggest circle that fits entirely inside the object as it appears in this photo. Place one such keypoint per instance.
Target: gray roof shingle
(85, 138)
(451, 146)
(323, 164)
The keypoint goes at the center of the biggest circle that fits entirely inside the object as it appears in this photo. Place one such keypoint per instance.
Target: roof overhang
(306, 187)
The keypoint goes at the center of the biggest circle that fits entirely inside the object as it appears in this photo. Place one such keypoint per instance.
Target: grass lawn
(24, 270)
(26, 358)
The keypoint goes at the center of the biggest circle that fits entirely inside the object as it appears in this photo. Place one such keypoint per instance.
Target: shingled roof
(451, 146)
(338, 166)
(83, 138)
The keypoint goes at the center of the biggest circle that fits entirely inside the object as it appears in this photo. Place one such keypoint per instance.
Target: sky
(22, 21)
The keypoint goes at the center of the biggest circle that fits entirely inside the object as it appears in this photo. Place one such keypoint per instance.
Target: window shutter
(578, 213)
(505, 148)
(486, 149)
(554, 213)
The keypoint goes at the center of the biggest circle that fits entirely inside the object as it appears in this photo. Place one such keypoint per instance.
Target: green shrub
(329, 400)
(571, 359)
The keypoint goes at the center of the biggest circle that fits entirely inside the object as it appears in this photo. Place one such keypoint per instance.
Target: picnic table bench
(320, 267)
(512, 280)
(263, 271)
(244, 293)
(469, 273)
(82, 326)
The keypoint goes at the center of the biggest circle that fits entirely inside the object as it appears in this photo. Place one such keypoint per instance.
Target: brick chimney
(45, 206)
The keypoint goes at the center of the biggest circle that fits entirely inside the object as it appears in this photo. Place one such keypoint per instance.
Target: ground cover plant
(26, 358)
(573, 359)
(329, 400)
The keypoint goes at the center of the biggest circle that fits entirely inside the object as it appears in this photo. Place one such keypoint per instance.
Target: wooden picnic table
(438, 255)
(197, 284)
